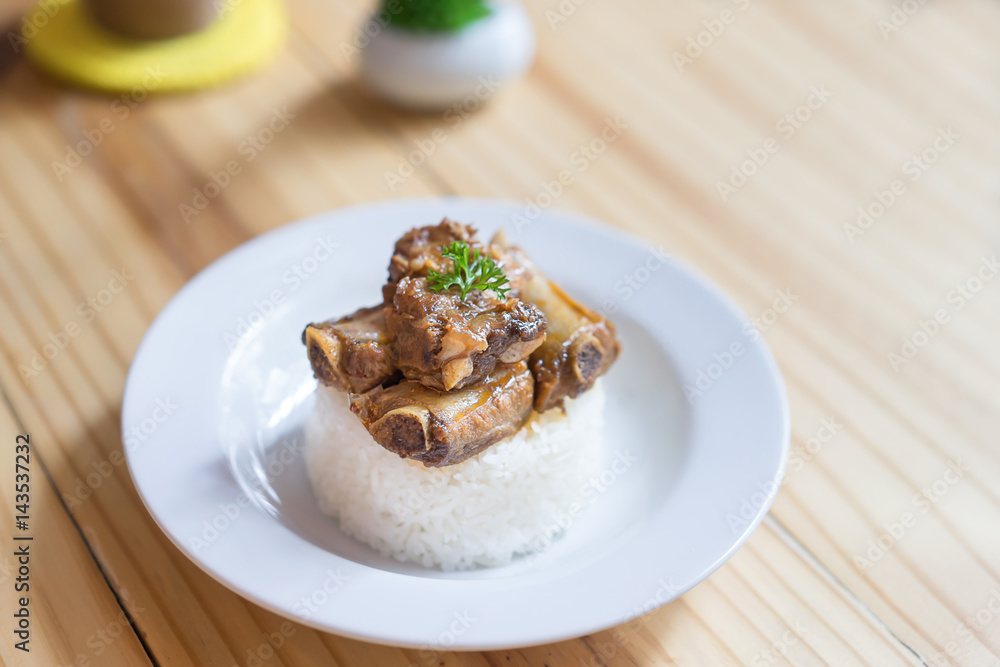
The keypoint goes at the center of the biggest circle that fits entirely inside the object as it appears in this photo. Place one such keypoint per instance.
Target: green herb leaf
(477, 271)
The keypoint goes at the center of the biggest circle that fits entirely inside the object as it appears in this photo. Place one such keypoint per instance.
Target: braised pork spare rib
(352, 353)
(447, 342)
(580, 344)
(439, 428)
(468, 340)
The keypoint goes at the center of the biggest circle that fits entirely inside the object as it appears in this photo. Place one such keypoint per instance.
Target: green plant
(475, 272)
(433, 15)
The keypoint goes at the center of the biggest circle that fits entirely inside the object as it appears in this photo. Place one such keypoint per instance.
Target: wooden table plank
(73, 615)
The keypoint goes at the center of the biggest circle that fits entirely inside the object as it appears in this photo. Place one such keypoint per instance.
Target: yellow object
(72, 46)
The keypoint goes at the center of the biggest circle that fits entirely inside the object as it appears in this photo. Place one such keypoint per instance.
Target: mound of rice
(505, 501)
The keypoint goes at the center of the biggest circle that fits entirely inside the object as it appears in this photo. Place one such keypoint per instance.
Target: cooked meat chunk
(419, 251)
(579, 346)
(352, 353)
(437, 378)
(442, 428)
(447, 343)
(517, 273)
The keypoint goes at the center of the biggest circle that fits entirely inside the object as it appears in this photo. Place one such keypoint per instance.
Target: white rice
(482, 512)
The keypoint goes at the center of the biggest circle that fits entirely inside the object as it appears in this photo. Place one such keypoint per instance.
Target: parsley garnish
(468, 273)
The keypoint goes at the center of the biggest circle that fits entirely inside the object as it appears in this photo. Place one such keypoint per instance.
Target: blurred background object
(154, 19)
(154, 46)
(427, 54)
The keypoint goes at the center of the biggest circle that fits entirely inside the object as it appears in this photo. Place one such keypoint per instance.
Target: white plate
(220, 385)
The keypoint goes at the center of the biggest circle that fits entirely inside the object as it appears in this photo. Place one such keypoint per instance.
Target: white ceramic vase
(428, 71)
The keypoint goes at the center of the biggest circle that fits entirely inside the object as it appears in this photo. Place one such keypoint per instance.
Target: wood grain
(74, 613)
(875, 440)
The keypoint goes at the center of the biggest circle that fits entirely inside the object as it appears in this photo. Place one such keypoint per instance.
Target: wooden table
(869, 216)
